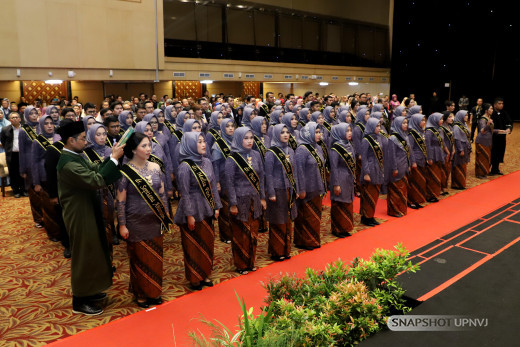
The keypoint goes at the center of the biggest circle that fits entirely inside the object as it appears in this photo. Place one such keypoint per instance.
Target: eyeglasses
(152, 123)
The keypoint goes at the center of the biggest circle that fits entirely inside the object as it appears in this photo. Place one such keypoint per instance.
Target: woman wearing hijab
(483, 142)
(462, 152)
(436, 156)
(157, 155)
(342, 180)
(143, 217)
(25, 142)
(219, 153)
(394, 103)
(198, 206)
(126, 118)
(372, 171)
(400, 111)
(312, 186)
(54, 112)
(245, 187)
(281, 187)
(169, 118)
(330, 117)
(248, 116)
(162, 128)
(88, 121)
(276, 118)
(96, 153)
(262, 141)
(344, 117)
(449, 142)
(189, 126)
(213, 129)
(413, 110)
(358, 131)
(160, 139)
(290, 120)
(304, 117)
(417, 178)
(39, 175)
(400, 161)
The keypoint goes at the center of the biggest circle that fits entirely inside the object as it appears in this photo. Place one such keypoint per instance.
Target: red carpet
(169, 324)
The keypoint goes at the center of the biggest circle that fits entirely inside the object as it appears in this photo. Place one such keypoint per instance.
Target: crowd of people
(246, 164)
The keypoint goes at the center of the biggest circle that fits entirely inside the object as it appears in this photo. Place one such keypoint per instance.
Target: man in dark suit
(9, 140)
(503, 127)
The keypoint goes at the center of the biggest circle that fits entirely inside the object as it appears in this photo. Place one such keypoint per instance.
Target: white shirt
(16, 134)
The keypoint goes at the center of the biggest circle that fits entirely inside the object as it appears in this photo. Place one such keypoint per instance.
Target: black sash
(448, 134)
(319, 162)
(121, 132)
(384, 134)
(169, 126)
(267, 116)
(261, 147)
(404, 143)
(222, 145)
(248, 171)
(155, 140)
(108, 143)
(202, 179)
(292, 143)
(93, 156)
(287, 167)
(42, 140)
(149, 196)
(178, 134)
(325, 154)
(57, 146)
(463, 128)
(361, 126)
(378, 151)
(155, 159)
(419, 141)
(302, 124)
(345, 155)
(327, 126)
(134, 123)
(29, 131)
(96, 159)
(437, 135)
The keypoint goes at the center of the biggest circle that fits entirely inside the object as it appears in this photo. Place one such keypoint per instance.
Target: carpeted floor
(35, 291)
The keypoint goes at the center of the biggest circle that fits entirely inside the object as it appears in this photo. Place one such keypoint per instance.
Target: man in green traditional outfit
(78, 182)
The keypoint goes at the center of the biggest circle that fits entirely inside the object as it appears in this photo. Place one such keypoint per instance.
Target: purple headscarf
(188, 148)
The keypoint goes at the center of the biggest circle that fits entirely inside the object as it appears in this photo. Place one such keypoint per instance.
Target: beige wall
(127, 90)
(162, 88)
(228, 88)
(339, 89)
(372, 11)
(10, 90)
(99, 34)
(87, 91)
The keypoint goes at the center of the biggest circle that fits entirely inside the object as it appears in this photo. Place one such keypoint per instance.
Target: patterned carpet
(35, 293)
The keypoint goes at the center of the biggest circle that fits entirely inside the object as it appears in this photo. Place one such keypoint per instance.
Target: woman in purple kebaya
(462, 151)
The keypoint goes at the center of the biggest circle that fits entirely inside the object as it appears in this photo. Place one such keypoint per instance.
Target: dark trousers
(17, 182)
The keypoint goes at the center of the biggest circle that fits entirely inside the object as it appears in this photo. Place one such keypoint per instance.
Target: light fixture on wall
(50, 73)
(18, 72)
(111, 73)
(353, 83)
(53, 82)
(206, 81)
(71, 73)
(324, 83)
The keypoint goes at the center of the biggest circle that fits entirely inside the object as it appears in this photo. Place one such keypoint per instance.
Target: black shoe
(433, 200)
(66, 253)
(493, 173)
(54, 239)
(373, 221)
(25, 194)
(366, 221)
(17, 195)
(445, 193)
(263, 230)
(153, 302)
(115, 240)
(142, 304)
(87, 309)
(194, 287)
(413, 206)
(97, 297)
(207, 283)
